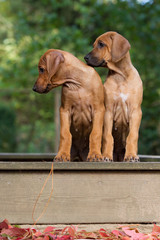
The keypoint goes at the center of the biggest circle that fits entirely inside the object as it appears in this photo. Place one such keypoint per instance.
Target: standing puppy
(123, 97)
(82, 104)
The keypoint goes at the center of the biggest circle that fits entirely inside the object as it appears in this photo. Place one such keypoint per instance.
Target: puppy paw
(131, 158)
(62, 157)
(107, 158)
(94, 158)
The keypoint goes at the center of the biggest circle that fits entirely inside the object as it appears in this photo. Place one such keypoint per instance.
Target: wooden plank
(50, 156)
(82, 196)
(79, 166)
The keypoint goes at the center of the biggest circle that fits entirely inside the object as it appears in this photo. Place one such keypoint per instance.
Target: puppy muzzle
(40, 89)
(94, 61)
(34, 88)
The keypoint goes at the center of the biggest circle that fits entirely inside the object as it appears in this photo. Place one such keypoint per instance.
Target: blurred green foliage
(29, 28)
(7, 129)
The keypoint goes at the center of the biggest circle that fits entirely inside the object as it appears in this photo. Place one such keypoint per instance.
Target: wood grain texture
(81, 196)
(78, 166)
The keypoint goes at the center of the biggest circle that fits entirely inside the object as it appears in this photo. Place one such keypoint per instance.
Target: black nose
(34, 88)
(86, 57)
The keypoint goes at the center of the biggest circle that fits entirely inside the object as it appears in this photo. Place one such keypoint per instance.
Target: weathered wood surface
(83, 192)
(78, 166)
(50, 156)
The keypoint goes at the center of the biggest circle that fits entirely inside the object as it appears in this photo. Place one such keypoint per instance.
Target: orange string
(47, 203)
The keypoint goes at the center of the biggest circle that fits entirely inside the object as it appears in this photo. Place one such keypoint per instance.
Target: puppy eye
(41, 70)
(101, 44)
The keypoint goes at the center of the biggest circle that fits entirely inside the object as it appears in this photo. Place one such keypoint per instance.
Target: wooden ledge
(82, 192)
(50, 156)
(79, 166)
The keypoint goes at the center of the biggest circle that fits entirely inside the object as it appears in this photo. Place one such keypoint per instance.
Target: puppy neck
(72, 75)
(123, 67)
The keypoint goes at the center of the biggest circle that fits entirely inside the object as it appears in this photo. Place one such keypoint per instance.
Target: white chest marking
(123, 96)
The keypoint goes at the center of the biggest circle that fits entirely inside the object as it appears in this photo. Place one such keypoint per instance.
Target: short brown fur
(123, 97)
(82, 104)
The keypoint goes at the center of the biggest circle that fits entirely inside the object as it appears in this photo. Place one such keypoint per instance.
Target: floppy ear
(120, 47)
(53, 59)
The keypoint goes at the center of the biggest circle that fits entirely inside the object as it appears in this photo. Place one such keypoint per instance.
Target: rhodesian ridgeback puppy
(82, 104)
(123, 97)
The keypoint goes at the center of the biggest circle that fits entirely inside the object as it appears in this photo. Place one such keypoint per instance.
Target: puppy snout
(86, 58)
(34, 88)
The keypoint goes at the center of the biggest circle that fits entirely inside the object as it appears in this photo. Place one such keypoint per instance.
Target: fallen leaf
(49, 229)
(126, 238)
(4, 224)
(38, 234)
(71, 231)
(156, 228)
(133, 234)
(14, 232)
(116, 232)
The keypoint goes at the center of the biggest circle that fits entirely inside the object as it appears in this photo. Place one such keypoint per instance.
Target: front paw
(131, 158)
(93, 157)
(107, 158)
(62, 157)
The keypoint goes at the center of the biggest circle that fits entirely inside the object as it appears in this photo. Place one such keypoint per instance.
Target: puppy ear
(120, 47)
(53, 59)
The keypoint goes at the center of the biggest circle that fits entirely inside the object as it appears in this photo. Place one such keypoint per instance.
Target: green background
(28, 28)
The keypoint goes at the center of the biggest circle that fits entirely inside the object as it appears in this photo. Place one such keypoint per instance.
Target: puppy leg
(95, 138)
(65, 138)
(132, 139)
(107, 146)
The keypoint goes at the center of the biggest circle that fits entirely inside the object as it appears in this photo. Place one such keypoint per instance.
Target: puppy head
(48, 66)
(109, 47)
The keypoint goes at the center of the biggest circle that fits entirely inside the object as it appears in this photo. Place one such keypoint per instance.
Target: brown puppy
(82, 104)
(123, 97)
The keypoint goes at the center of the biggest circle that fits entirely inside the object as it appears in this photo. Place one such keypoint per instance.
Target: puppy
(82, 104)
(123, 97)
